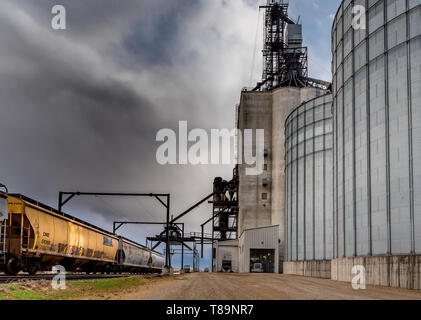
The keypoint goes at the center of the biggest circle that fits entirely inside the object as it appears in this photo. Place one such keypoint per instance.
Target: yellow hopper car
(37, 237)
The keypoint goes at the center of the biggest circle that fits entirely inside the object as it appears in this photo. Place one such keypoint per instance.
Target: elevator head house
(285, 85)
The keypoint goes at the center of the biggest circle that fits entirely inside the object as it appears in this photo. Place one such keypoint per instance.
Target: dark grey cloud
(162, 38)
(79, 109)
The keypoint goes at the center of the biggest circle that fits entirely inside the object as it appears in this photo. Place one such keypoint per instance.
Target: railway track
(69, 276)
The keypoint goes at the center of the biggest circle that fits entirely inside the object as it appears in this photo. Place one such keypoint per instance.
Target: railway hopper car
(157, 261)
(35, 237)
(135, 258)
(38, 237)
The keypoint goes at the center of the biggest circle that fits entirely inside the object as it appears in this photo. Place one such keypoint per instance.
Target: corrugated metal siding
(309, 176)
(261, 238)
(227, 251)
(377, 150)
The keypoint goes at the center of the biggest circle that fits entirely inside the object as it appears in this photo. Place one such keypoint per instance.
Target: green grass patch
(105, 284)
(19, 292)
(75, 289)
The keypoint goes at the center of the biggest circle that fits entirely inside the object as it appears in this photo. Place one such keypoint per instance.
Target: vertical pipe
(182, 247)
(410, 139)
(201, 242)
(354, 171)
(286, 205)
(324, 180)
(314, 183)
(387, 131)
(343, 139)
(60, 200)
(291, 201)
(213, 230)
(286, 253)
(335, 174)
(305, 181)
(194, 257)
(296, 192)
(368, 128)
(167, 245)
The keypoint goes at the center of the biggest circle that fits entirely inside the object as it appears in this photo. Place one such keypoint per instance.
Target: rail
(69, 276)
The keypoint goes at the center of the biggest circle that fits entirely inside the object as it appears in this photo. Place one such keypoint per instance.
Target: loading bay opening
(262, 260)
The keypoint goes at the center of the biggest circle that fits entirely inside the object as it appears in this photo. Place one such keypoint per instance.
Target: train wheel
(13, 267)
(107, 269)
(6, 272)
(33, 268)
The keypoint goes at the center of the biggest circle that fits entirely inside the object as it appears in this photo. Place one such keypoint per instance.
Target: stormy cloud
(80, 108)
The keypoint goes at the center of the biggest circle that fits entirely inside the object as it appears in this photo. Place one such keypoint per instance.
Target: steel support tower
(285, 60)
(225, 210)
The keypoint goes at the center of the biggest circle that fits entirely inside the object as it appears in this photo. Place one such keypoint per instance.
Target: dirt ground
(219, 286)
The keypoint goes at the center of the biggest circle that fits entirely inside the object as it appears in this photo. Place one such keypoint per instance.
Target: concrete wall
(311, 268)
(284, 101)
(394, 271)
(255, 113)
(268, 111)
(390, 271)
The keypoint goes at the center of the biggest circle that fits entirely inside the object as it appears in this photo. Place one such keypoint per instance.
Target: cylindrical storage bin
(309, 179)
(377, 128)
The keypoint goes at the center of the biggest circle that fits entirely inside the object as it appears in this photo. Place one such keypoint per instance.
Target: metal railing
(197, 235)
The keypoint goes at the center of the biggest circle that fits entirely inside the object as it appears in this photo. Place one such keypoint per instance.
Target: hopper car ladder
(2, 244)
(3, 224)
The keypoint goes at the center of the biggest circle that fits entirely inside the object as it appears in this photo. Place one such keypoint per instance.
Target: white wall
(227, 250)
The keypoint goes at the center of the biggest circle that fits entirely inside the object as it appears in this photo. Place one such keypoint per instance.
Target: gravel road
(221, 286)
